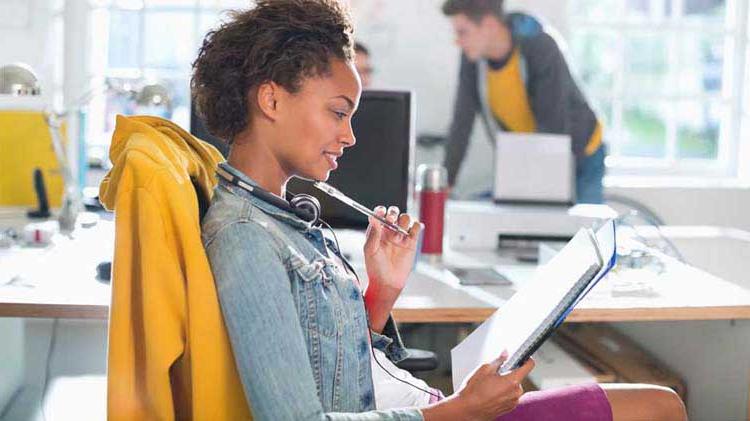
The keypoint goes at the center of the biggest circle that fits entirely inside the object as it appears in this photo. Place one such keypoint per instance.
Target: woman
(278, 83)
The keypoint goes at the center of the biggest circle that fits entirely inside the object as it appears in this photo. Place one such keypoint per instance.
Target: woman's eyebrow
(348, 100)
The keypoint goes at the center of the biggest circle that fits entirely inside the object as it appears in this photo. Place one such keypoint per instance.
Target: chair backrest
(170, 357)
(203, 201)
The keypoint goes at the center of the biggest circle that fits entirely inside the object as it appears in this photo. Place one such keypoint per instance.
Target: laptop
(534, 168)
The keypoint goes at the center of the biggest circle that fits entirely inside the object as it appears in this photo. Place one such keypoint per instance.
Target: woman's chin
(316, 175)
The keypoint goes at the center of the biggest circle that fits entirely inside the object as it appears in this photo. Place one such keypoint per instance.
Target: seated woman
(278, 83)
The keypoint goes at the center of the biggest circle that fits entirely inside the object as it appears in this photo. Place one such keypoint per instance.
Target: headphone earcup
(306, 207)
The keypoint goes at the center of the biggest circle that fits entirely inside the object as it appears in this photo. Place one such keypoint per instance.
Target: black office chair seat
(418, 360)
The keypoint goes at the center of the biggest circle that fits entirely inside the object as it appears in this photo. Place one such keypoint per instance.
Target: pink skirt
(587, 402)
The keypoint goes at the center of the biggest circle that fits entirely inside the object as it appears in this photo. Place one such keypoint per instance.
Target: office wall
(683, 205)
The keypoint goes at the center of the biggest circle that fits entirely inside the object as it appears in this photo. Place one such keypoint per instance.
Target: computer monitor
(378, 169)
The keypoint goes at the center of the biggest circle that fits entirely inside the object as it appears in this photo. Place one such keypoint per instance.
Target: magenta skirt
(586, 402)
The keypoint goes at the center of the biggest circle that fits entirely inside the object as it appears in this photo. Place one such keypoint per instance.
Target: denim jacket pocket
(351, 298)
(319, 297)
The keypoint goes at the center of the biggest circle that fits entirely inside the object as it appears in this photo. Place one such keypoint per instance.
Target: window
(666, 78)
(144, 42)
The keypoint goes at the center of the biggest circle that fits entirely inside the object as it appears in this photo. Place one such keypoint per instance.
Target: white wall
(720, 206)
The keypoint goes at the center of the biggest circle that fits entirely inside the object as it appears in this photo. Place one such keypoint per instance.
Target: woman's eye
(340, 115)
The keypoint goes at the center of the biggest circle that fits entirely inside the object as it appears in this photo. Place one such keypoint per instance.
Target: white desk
(57, 281)
(681, 292)
(60, 282)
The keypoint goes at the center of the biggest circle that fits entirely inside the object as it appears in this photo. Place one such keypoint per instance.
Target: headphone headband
(304, 206)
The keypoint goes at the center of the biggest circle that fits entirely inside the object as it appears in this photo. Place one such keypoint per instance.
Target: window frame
(102, 71)
(733, 95)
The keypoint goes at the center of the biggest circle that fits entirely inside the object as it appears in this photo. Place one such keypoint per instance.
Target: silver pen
(332, 191)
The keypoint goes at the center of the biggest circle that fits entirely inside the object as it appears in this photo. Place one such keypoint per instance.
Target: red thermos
(432, 195)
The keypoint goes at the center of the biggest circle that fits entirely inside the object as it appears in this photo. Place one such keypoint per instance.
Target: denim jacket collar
(266, 207)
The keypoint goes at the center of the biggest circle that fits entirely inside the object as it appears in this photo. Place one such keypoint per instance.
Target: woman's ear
(266, 97)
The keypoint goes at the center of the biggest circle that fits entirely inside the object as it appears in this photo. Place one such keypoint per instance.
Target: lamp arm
(71, 197)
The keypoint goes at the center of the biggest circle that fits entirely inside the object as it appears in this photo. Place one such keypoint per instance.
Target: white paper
(512, 324)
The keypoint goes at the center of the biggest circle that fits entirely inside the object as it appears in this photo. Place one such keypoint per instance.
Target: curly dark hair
(283, 41)
(474, 9)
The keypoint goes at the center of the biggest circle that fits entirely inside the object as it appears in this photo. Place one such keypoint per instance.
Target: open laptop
(534, 168)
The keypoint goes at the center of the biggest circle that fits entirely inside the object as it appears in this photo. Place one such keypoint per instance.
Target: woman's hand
(489, 394)
(389, 257)
(485, 395)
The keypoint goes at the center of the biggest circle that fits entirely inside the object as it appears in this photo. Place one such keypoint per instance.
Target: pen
(332, 191)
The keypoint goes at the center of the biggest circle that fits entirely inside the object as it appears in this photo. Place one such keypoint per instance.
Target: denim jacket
(296, 319)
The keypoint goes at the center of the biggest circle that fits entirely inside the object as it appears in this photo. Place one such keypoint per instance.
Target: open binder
(522, 324)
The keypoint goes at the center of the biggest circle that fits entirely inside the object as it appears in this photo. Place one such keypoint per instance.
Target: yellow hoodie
(169, 354)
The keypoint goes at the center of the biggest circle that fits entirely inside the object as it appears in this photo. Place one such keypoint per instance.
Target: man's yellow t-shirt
(509, 101)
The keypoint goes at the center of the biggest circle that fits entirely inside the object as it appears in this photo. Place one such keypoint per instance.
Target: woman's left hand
(389, 257)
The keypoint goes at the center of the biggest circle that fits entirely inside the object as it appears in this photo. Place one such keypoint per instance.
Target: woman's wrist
(379, 304)
(381, 291)
(451, 408)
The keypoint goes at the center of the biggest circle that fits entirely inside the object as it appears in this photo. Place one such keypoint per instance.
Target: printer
(487, 225)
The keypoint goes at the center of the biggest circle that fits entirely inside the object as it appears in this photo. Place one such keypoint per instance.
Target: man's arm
(548, 85)
(464, 112)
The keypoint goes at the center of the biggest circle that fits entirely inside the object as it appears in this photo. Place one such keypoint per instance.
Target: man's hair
(474, 9)
(281, 41)
(360, 48)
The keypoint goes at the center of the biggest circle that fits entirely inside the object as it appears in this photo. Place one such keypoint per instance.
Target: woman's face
(314, 124)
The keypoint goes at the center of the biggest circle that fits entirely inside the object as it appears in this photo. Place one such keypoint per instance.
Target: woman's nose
(348, 138)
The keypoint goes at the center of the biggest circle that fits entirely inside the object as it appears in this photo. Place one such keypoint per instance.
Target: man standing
(514, 74)
(362, 64)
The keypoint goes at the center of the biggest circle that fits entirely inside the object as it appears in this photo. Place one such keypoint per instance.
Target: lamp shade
(18, 79)
(153, 95)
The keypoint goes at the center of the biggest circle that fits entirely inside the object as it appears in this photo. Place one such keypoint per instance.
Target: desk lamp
(154, 98)
(19, 80)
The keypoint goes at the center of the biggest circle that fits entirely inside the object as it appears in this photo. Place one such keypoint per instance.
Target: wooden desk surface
(60, 282)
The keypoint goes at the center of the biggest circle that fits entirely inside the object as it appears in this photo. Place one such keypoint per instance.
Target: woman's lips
(332, 158)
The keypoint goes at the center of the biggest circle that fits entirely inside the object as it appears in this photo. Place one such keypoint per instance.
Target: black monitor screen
(375, 171)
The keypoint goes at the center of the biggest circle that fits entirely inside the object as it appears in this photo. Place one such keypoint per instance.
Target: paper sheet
(511, 325)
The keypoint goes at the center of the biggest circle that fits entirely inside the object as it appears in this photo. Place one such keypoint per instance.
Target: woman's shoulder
(232, 219)
(230, 215)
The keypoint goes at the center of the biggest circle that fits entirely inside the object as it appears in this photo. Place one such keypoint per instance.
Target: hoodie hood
(152, 144)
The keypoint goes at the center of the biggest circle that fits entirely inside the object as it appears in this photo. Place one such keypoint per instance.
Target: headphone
(304, 206)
